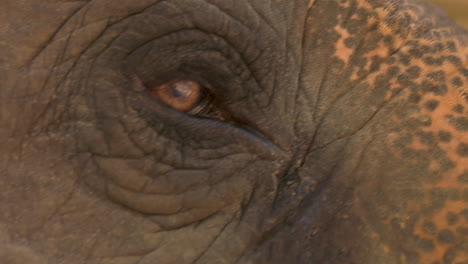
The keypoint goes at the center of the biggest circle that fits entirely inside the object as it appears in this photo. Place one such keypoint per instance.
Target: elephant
(247, 131)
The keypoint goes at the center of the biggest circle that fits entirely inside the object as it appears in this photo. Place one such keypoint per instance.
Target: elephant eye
(183, 95)
(188, 96)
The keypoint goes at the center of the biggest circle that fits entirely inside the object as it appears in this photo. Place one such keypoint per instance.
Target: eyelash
(209, 107)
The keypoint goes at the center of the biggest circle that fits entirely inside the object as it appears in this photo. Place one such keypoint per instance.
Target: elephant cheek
(34, 187)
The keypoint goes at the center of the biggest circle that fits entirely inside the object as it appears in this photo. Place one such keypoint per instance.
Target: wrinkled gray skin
(347, 144)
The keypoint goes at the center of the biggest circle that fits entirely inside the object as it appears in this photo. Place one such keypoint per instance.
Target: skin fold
(348, 141)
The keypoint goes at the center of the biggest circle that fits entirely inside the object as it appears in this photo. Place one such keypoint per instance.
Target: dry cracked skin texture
(378, 119)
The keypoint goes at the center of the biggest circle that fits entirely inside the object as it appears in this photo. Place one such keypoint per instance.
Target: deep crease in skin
(299, 184)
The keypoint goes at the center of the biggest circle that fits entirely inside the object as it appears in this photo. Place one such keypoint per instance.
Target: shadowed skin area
(456, 9)
(350, 143)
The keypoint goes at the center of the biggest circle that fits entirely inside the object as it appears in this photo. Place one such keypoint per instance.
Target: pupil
(180, 90)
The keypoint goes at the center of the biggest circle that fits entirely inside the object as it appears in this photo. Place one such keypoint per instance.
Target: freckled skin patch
(343, 52)
(459, 123)
(424, 70)
(452, 218)
(445, 136)
(459, 109)
(432, 105)
(457, 82)
(462, 150)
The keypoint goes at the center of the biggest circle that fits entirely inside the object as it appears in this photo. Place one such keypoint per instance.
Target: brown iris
(182, 95)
